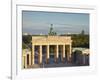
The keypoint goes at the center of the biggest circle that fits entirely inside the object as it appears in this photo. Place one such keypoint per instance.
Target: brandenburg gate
(61, 45)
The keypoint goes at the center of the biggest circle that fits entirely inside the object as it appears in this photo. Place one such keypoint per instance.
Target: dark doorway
(27, 59)
(44, 52)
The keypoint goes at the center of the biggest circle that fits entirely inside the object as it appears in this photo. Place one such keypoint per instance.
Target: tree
(80, 40)
(27, 39)
(24, 46)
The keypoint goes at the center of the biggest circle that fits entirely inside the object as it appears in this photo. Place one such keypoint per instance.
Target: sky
(39, 22)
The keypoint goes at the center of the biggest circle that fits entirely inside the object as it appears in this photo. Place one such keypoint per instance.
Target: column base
(47, 61)
(40, 63)
(69, 60)
(56, 60)
(63, 60)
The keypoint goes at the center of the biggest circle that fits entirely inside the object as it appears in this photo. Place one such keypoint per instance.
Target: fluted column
(33, 54)
(30, 58)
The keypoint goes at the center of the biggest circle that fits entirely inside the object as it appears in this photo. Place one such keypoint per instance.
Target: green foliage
(80, 40)
(24, 45)
(26, 41)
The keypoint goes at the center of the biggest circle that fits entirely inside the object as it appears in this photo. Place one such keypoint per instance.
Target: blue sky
(36, 22)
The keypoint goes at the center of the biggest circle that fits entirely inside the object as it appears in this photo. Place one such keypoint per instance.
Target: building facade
(50, 45)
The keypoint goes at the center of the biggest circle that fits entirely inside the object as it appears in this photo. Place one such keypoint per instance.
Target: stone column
(33, 54)
(30, 58)
(63, 54)
(47, 55)
(56, 54)
(40, 55)
(26, 61)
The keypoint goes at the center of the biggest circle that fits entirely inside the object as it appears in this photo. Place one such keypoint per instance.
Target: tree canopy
(26, 41)
(80, 40)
